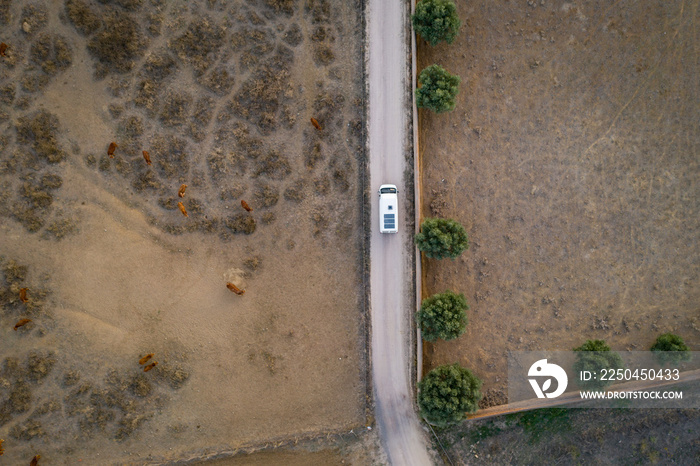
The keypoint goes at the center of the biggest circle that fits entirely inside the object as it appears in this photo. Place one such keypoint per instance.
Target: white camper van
(388, 209)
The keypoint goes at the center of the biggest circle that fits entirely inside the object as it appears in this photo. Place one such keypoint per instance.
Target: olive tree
(447, 394)
(436, 21)
(443, 316)
(671, 349)
(440, 237)
(595, 356)
(438, 89)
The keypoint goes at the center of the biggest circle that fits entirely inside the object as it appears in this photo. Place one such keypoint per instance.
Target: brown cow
(145, 359)
(245, 205)
(22, 323)
(150, 366)
(234, 288)
(316, 124)
(182, 209)
(181, 191)
(112, 147)
(147, 158)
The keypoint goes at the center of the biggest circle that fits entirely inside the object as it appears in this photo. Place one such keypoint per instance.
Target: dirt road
(390, 282)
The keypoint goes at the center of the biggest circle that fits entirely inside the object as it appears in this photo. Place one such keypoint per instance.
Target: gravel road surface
(391, 280)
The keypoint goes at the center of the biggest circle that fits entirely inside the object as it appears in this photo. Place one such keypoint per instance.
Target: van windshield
(388, 190)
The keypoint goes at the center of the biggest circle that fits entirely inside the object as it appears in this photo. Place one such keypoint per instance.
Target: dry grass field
(220, 94)
(573, 436)
(572, 160)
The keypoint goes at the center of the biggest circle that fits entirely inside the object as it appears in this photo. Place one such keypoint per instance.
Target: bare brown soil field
(220, 94)
(572, 160)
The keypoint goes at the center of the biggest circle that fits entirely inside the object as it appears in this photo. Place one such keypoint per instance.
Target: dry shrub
(83, 18)
(39, 365)
(7, 94)
(201, 116)
(293, 36)
(147, 179)
(34, 18)
(60, 228)
(52, 53)
(295, 192)
(258, 100)
(323, 55)
(35, 196)
(241, 223)
(29, 218)
(255, 42)
(312, 153)
(169, 153)
(322, 185)
(319, 10)
(274, 166)
(266, 196)
(199, 44)
(130, 5)
(176, 107)
(341, 177)
(225, 164)
(130, 128)
(283, 6)
(173, 374)
(232, 193)
(119, 44)
(5, 11)
(27, 430)
(146, 96)
(39, 131)
(252, 147)
(220, 80)
(158, 66)
(320, 221)
(328, 106)
(252, 263)
(128, 425)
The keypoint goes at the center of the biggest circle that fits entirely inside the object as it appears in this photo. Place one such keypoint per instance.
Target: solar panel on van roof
(389, 221)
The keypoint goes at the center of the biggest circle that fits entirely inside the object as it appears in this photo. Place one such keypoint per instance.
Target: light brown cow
(150, 366)
(235, 289)
(22, 323)
(146, 358)
(182, 209)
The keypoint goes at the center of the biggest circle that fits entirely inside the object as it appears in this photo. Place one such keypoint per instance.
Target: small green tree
(442, 316)
(595, 356)
(438, 89)
(447, 393)
(442, 237)
(671, 349)
(436, 21)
